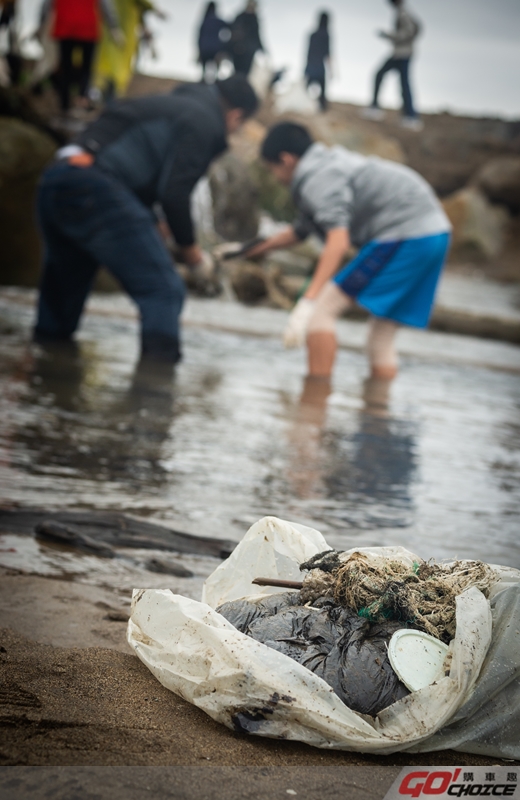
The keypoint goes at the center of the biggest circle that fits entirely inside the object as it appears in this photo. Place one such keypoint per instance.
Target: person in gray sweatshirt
(406, 30)
(388, 213)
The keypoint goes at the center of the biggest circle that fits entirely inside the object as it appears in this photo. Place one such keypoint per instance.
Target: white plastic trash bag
(196, 653)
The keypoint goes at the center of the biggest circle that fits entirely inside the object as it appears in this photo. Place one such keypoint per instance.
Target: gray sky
(468, 58)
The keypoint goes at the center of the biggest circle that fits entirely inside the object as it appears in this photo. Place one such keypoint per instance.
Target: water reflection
(432, 466)
(367, 474)
(88, 430)
(376, 465)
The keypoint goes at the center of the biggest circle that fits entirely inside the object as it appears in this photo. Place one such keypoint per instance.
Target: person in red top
(77, 28)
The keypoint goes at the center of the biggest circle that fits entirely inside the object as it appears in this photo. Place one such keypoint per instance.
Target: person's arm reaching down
(286, 238)
(336, 247)
(191, 156)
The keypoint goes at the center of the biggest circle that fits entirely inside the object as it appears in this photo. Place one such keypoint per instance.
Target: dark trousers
(318, 77)
(402, 67)
(70, 74)
(243, 61)
(89, 219)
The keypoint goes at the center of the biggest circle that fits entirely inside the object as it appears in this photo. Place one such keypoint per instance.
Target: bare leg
(321, 337)
(381, 350)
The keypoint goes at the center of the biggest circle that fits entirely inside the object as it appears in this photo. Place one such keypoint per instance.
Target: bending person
(95, 205)
(385, 209)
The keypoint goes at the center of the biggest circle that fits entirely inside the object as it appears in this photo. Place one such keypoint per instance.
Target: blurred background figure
(115, 62)
(318, 58)
(213, 41)
(77, 29)
(10, 62)
(407, 29)
(245, 38)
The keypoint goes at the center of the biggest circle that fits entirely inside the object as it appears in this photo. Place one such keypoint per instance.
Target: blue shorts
(397, 280)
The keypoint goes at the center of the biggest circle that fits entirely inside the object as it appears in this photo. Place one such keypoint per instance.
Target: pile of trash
(341, 622)
(423, 597)
(328, 663)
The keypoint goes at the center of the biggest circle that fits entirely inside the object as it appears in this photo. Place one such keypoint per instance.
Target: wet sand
(101, 707)
(74, 694)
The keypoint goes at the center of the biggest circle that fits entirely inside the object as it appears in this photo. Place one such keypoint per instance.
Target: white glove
(296, 330)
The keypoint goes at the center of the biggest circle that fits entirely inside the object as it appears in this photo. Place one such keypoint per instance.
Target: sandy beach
(96, 704)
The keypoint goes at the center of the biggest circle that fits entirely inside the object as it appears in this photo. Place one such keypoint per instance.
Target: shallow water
(431, 464)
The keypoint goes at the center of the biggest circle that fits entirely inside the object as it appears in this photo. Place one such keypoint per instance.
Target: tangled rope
(422, 597)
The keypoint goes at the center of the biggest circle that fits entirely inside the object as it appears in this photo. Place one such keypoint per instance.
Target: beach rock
(116, 530)
(357, 138)
(235, 199)
(499, 179)
(24, 152)
(166, 566)
(249, 283)
(247, 142)
(273, 198)
(50, 531)
(479, 228)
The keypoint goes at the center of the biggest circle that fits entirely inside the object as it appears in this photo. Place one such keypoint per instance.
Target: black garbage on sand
(345, 650)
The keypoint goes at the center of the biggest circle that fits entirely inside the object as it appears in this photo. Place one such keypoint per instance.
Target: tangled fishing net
(422, 596)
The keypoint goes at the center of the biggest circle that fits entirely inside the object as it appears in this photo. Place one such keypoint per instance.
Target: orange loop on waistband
(81, 160)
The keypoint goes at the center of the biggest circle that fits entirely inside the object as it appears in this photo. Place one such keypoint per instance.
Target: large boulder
(24, 152)
(357, 138)
(499, 179)
(235, 199)
(479, 228)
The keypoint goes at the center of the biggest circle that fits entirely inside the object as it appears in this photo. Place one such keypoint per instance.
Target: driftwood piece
(277, 582)
(116, 530)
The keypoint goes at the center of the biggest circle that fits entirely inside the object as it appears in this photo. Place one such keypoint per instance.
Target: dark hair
(237, 92)
(324, 20)
(211, 8)
(286, 137)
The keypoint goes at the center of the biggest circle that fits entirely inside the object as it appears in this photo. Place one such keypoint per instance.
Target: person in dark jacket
(318, 58)
(214, 34)
(245, 38)
(95, 206)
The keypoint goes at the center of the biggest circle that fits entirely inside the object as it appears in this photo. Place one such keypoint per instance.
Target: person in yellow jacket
(115, 65)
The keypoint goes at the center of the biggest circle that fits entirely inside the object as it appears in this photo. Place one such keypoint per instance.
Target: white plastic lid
(417, 658)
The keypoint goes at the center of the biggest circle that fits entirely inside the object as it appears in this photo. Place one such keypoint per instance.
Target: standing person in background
(245, 38)
(114, 63)
(214, 36)
(407, 29)
(77, 29)
(318, 58)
